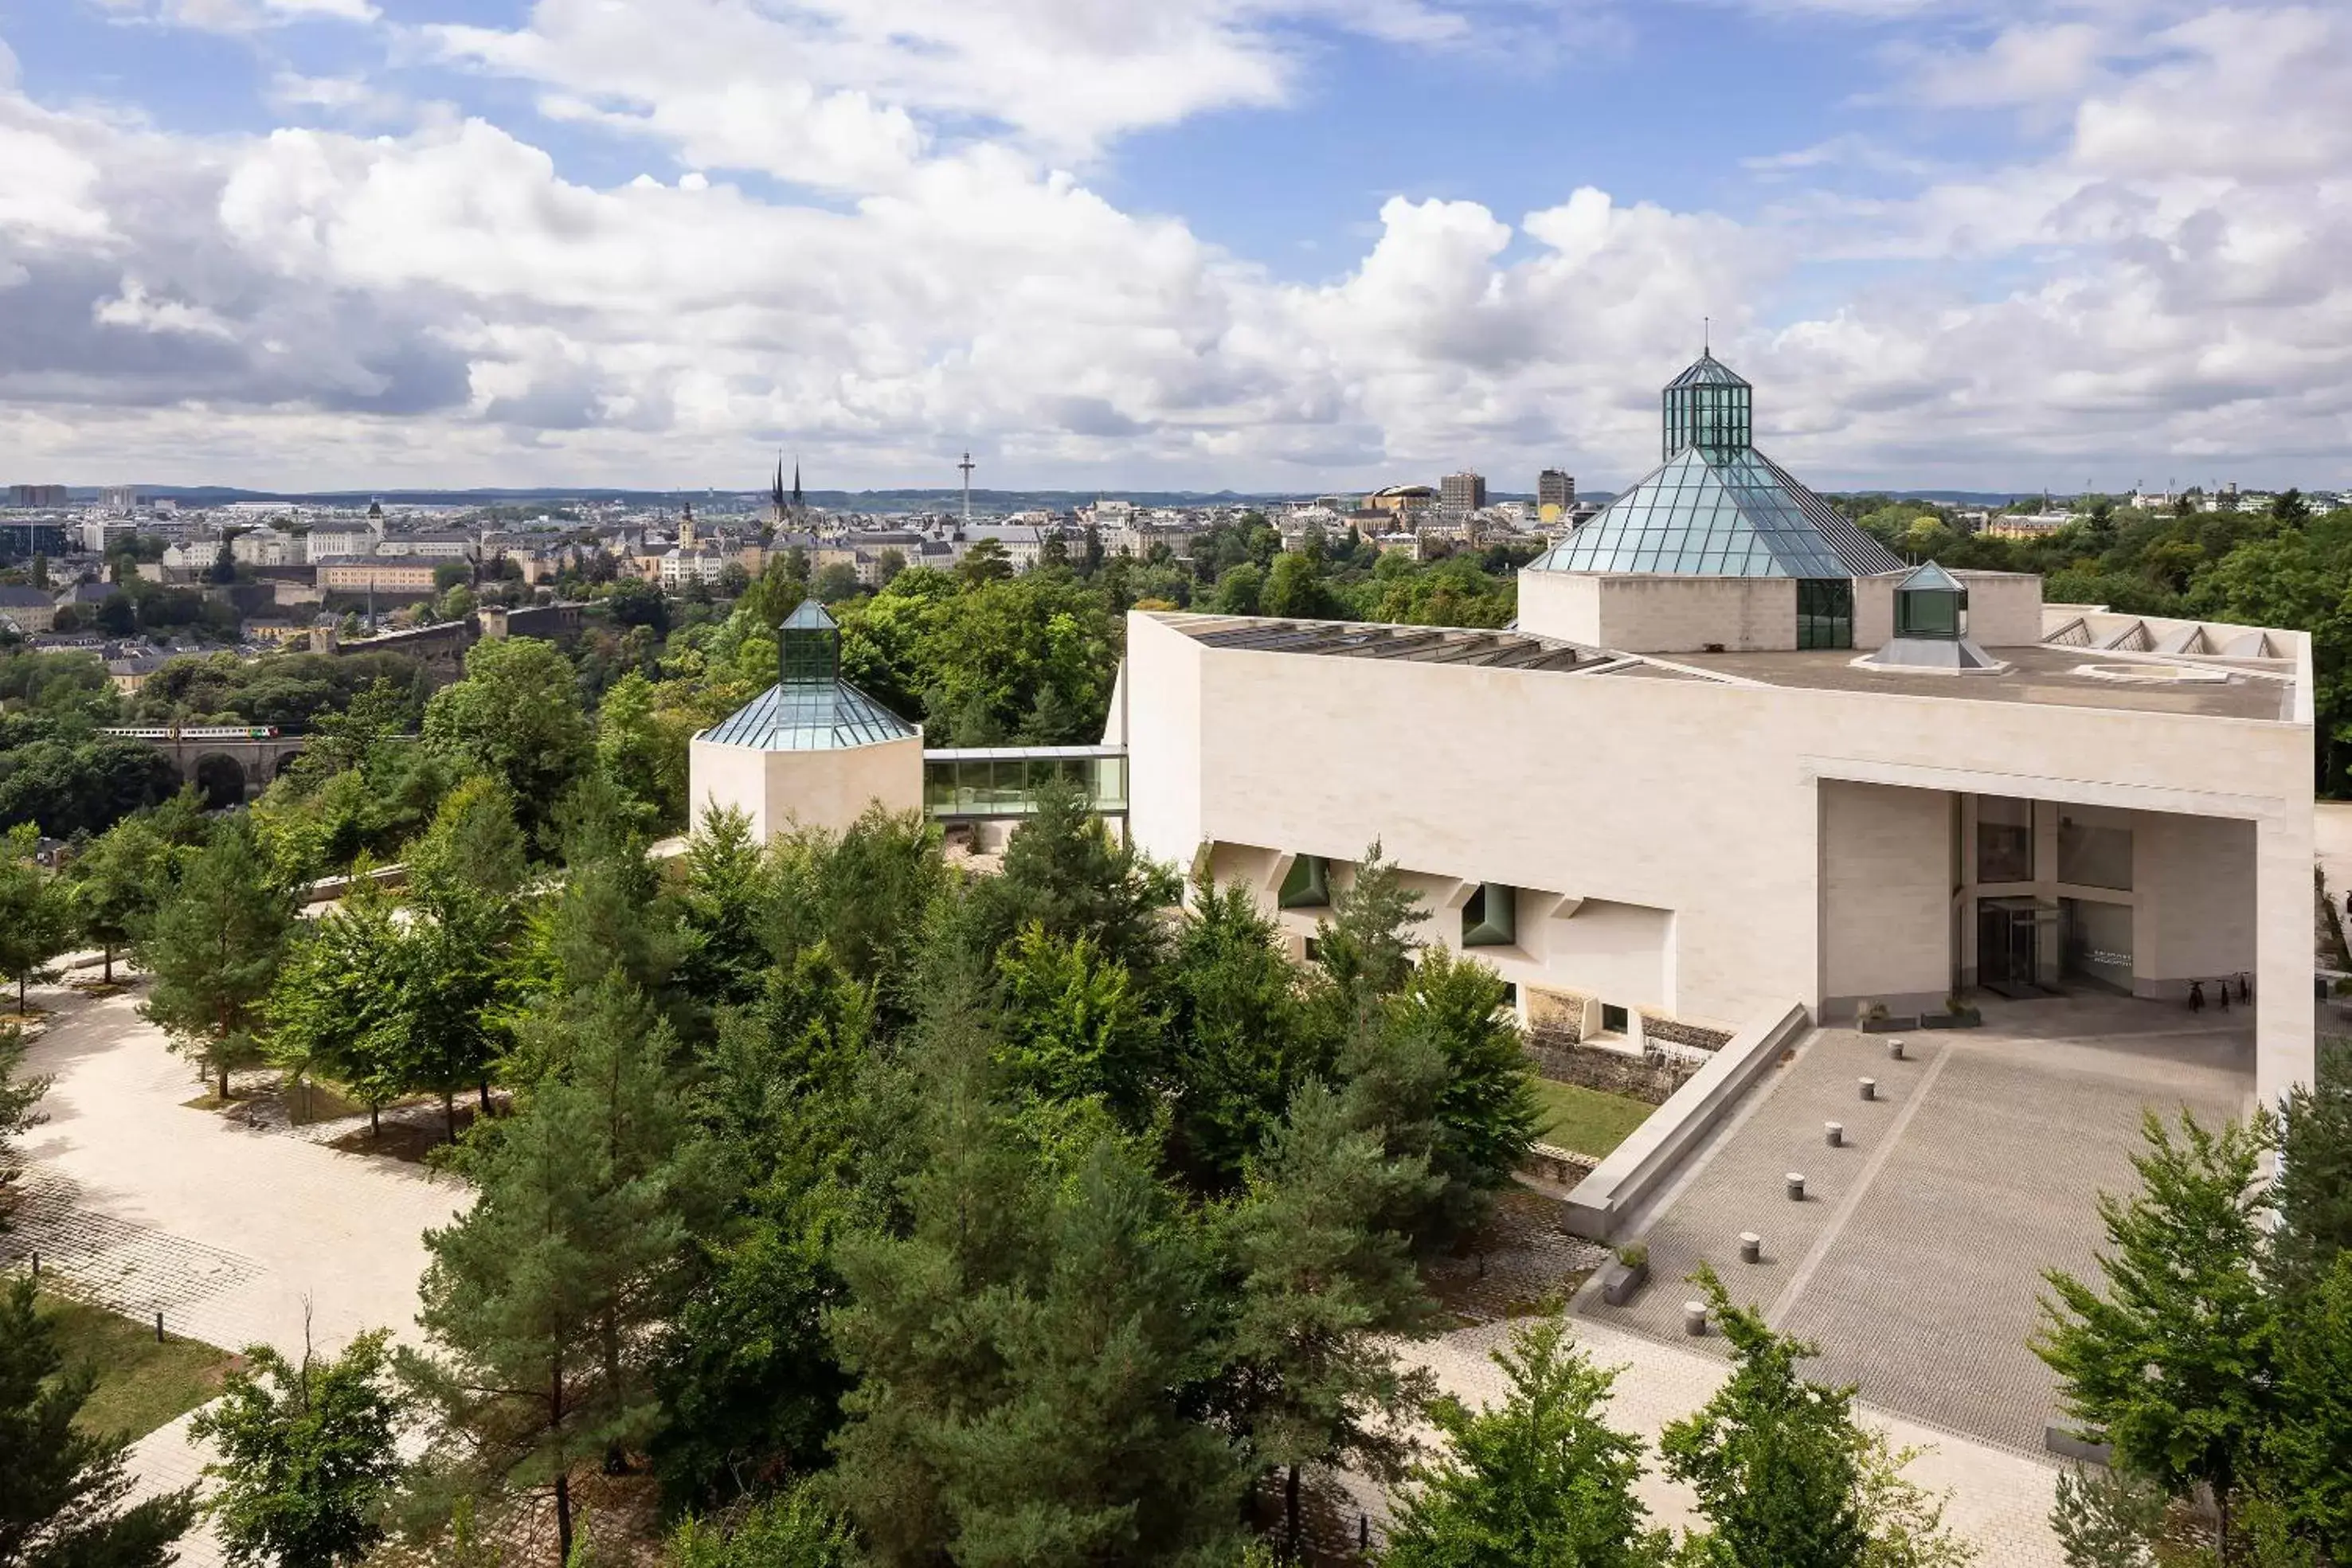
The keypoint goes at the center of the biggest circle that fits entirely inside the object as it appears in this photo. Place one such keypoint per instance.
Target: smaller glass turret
(1708, 406)
(809, 646)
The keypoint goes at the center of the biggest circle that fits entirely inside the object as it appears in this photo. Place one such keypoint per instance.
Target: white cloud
(448, 304)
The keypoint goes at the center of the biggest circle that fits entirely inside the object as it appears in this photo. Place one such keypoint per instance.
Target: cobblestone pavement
(238, 1235)
(1915, 1259)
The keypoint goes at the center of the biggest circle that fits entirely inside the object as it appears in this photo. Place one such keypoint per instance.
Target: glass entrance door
(2005, 942)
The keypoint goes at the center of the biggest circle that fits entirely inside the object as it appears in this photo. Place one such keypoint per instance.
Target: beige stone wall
(784, 790)
(1874, 610)
(1693, 797)
(1655, 615)
(1885, 896)
(2004, 608)
(2193, 881)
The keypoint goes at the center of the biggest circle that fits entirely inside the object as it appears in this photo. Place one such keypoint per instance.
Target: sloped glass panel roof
(810, 715)
(1726, 513)
(809, 616)
(1930, 579)
(1707, 370)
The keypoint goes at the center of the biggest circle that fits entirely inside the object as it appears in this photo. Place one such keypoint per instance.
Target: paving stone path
(238, 1235)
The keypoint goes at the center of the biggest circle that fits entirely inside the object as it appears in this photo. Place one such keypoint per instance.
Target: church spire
(798, 503)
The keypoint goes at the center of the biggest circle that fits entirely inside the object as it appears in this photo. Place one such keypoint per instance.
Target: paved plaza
(234, 1234)
(1915, 1259)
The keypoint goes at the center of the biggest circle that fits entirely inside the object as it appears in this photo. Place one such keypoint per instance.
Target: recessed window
(1613, 1019)
(1314, 951)
(2092, 855)
(2004, 839)
(1511, 995)
(1307, 883)
(1491, 918)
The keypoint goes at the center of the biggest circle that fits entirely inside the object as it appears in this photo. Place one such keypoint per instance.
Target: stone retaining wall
(1690, 1034)
(1649, 1078)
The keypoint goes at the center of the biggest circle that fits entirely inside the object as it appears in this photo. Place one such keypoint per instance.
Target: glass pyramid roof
(1723, 513)
(1707, 370)
(810, 715)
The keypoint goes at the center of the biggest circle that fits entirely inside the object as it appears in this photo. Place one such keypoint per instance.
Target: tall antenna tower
(966, 467)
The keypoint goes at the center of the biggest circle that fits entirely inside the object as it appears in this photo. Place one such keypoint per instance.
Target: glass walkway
(996, 782)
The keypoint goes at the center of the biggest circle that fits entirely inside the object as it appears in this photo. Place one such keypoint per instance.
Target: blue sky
(1284, 244)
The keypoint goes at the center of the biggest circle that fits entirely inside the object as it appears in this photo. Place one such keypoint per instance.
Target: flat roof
(1380, 640)
(2039, 673)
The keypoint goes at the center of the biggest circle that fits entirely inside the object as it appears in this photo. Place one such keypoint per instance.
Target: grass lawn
(140, 1384)
(1586, 1121)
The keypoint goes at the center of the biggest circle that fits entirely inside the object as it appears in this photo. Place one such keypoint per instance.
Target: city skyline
(1282, 246)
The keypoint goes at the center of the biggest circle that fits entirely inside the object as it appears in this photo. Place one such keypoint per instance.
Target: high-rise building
(1555, 495)
(1463, 492)
(36, 495)
(118, 498)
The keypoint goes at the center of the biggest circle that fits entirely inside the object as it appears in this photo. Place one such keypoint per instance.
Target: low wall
(1642, 1163)
(1651, 1077)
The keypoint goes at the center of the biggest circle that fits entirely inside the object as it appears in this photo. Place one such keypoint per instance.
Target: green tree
(19, 1098)
(35, 922)
(795, 1530)
(1074, 1026)
(2104, 1519)
(1022, 1349)
(2311, 1191)
(645, 757)
(1538, 1482)
(984, 560)
(1773, 1457)
(62, 1488)
(516, 716)
(1242, 1044)
(1366, 947)
(1295, 590)
(2306, 1456)
(307, 1456)
(1324, 1294)
(2173, 1360)
(1442, 1076)
(1063, 873)
(540, 1300)
(336, 1003)
(214, 947)
(1238, 590)
(473, 847)
(115, 886)
(725, 901)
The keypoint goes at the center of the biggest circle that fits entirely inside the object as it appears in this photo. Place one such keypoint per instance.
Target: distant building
(118, 498)
(28, 610)
(99, 535)
(36, 495)
(375, 574)
(1402, 500)
(1463, 492)
(1555, 495)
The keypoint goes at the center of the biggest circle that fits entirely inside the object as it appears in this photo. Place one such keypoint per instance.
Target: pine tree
(473, 847)
(2306, 1458)
(1074, 1027)
(1063, 872)
(2312, 1189)
(725, 901)
(1774, 1458)
(214, 947)
(1367, 947)
(61, 1490)
(307, 1456)
(1242, 1042)
(541, 1299)
(1538, 1482)
(1022, 1349)
(1441, 1074)
(1324, 1293)
(2174, 1360)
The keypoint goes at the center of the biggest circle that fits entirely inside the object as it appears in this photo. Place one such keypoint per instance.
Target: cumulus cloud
(878, 229)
